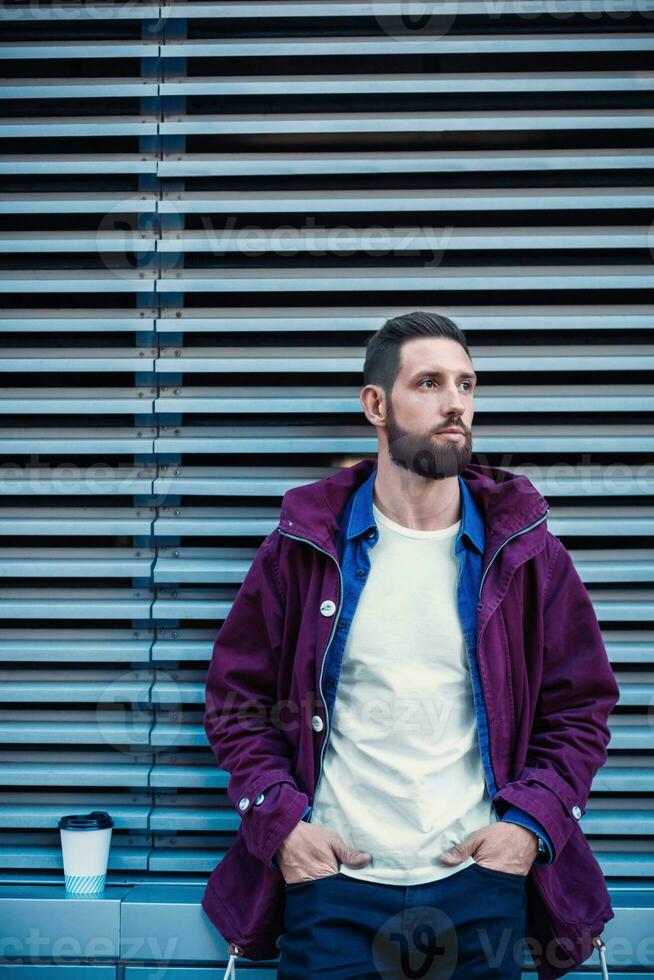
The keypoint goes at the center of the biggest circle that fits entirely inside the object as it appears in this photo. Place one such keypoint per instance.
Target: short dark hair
(382, 362)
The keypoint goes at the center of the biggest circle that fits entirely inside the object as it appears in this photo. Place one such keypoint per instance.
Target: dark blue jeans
(469, 925)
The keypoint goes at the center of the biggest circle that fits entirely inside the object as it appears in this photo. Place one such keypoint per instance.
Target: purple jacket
(548, 685)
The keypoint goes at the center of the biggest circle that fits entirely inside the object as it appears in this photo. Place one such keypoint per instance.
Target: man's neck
(415, 501)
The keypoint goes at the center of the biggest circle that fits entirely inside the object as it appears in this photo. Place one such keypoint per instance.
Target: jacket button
(576, 812)
(316, 723)
(259, 800)
(328, 608)
(244, 803)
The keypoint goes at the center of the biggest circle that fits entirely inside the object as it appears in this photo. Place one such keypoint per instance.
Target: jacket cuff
(543, 795)
(516, 815)
(267, 823)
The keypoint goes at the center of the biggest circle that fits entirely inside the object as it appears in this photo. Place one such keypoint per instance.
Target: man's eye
(431, 381)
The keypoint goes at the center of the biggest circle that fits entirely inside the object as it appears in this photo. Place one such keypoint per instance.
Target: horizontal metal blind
(207, 209)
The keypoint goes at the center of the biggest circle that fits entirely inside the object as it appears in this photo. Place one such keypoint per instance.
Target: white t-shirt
(402, 772)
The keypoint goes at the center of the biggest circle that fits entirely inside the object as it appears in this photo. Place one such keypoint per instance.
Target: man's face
(433, 391)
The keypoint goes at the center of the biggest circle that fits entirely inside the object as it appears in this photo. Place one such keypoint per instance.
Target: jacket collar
(507, 502)
(361, 517)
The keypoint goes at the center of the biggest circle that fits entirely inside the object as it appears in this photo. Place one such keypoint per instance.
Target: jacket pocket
(246, 900)
(573, 887)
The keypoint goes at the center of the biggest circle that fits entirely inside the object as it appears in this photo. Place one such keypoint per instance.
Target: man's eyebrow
(463, 374)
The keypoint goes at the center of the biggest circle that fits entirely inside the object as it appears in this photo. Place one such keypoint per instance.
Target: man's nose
(454, 403)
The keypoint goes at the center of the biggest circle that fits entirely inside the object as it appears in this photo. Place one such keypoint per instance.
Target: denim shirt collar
(361, 518)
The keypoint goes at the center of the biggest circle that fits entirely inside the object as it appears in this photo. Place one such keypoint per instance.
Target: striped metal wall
(207, 209)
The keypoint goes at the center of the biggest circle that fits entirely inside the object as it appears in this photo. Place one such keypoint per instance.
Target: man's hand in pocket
(502, 846)
(311, 851)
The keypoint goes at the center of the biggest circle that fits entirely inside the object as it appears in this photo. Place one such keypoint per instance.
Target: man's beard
(426, 455)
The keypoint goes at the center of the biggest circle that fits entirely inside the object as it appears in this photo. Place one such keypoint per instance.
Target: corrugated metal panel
(345, 161)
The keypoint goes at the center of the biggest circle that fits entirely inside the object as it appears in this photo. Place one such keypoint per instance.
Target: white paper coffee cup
(85, 841)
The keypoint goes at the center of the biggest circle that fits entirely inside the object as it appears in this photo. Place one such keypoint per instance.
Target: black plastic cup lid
(95, 820)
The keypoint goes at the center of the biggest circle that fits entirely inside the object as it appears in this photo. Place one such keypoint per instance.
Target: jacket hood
(508, 501)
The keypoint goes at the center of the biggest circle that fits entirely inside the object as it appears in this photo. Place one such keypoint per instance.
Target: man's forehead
(443, 353)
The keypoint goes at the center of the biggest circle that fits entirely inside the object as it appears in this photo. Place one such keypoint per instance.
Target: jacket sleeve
(570, 734)
(241, 719)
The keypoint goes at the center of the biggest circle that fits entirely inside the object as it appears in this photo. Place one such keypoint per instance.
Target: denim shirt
(359, 533)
